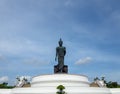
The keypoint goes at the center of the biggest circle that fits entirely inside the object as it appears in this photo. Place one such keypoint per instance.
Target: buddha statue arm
(56, 55)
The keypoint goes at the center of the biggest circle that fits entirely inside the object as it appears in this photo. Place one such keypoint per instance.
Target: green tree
(5, 85)
(60, 88)
(111, 84)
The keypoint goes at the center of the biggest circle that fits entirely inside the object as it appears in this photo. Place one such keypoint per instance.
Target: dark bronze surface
(60, 54)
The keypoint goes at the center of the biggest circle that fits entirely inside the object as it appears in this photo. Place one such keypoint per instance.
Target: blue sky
(30, 30)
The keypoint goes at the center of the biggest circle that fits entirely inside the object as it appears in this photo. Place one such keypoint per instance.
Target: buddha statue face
(60, 43)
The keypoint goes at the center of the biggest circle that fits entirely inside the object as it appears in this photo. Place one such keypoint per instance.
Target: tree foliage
(60, 88)
(111, 84)
(5, 85)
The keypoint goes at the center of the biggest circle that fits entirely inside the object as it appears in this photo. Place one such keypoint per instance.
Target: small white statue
(21, 81)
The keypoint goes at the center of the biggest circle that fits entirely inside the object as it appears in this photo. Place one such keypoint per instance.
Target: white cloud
(18, 46)
(84, 60)
(4, 79)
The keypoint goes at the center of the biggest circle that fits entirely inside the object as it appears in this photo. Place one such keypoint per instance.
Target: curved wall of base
(60, 79)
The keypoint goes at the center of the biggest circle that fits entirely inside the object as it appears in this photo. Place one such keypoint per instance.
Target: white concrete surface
(115, 91)
(5, 91)
(57, 79)
(74, 84)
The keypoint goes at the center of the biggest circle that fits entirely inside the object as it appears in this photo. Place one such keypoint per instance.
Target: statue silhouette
(60, 53)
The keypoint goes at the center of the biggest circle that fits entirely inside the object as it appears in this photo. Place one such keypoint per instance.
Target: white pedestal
(60, 79)
(47, 84)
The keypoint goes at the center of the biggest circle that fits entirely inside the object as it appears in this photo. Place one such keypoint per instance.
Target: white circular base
(47, 84)
(60, 79)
